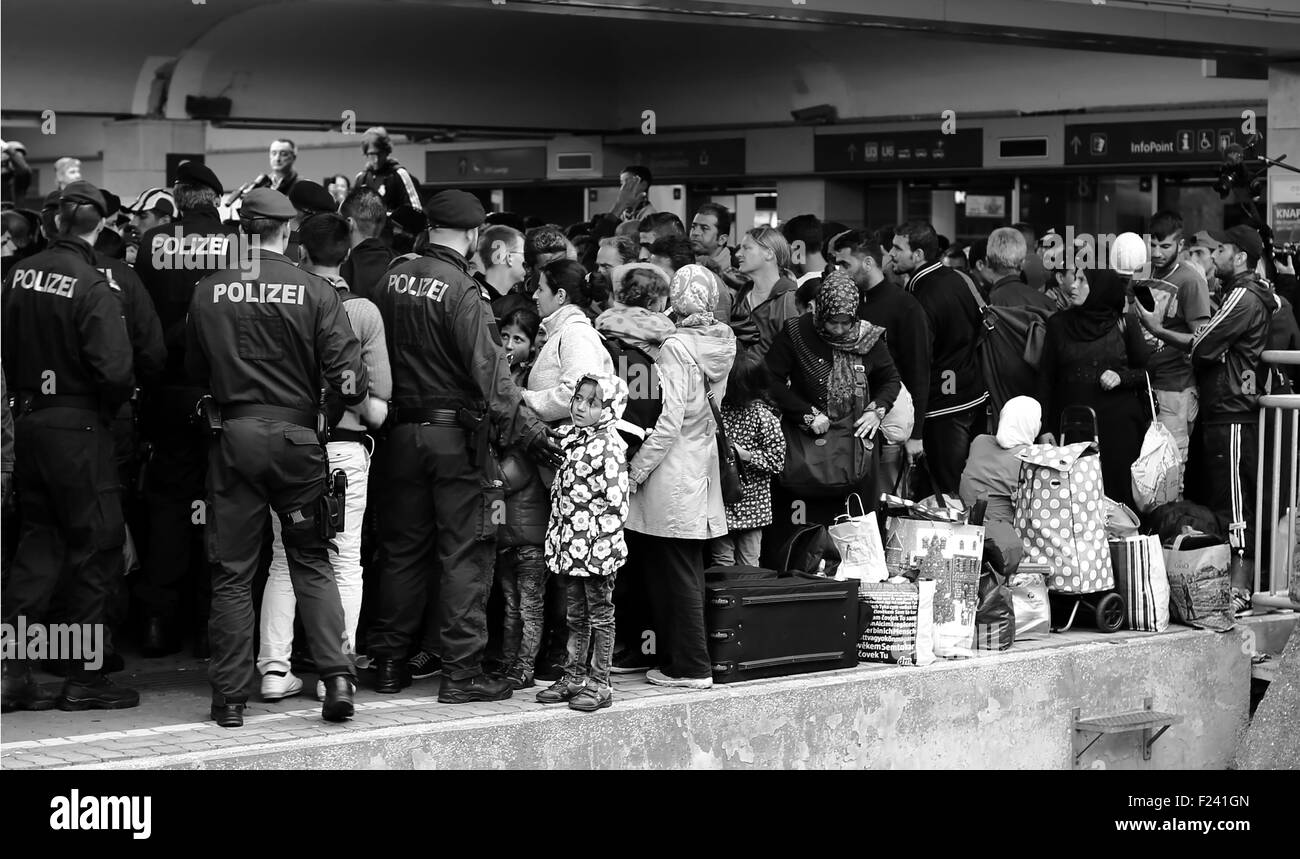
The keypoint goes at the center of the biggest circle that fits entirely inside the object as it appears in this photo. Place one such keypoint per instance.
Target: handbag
(862, 554)
(832, 463)
(728, 471)
(1140, 578)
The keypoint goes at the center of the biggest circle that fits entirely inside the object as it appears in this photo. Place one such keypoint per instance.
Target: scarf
(1019, 423)
(1100, 311)
(839, 297)
(694, 293)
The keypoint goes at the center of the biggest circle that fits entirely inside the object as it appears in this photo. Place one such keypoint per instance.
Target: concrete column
(135, 151)
(846, 202)
(1284, 139)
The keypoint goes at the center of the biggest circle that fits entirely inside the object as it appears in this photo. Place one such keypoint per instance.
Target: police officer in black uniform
(68, 357)
(262, 340)
(452, 393)
(172, 259)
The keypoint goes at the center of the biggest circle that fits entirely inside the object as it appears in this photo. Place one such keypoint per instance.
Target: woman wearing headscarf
(833, 380)
(677, 494)
(1090, 359)
(993, 473)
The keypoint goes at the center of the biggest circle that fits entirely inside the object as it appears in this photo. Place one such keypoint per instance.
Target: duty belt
(36, 402)
(337, 434)
(435, 417)
(271, 413)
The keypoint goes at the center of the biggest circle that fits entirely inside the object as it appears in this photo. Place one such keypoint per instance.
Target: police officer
(172, 259)
(68, 357)
(452, 390)
(262, 340)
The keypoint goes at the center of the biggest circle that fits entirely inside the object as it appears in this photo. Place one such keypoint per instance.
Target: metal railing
(1276, 523)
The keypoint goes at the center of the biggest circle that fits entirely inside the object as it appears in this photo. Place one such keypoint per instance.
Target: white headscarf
(1020, 423)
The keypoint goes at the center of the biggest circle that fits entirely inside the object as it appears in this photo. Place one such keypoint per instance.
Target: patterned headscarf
(694, 292)
(839, 297)
(613, 398)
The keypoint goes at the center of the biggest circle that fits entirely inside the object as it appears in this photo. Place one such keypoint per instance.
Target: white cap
(158, 200)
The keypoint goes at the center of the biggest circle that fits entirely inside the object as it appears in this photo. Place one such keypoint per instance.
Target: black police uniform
(262, 344)
(449, 368)
(67, 356)
(177, 465)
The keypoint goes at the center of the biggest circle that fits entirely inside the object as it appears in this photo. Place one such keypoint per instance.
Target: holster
(333, 504)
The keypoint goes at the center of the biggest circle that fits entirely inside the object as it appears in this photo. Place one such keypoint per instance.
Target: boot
(338, 706)
(391, 676)
(22, 692)
(85, 690)
(480, 687)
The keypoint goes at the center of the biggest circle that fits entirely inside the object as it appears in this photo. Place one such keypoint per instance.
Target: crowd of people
(518, 423)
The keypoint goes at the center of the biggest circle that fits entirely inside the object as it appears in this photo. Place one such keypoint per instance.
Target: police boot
(92, 690)
(338, 699)
(21, 691)
(480, 687)
(391, 676)
(228, 714)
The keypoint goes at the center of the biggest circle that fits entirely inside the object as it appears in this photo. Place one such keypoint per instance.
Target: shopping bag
(1029, 603)
(1121, 522)
(899, 623)
(1157, 472)
(1140, 578)
(1199, 587)
(862, 555)
(995, 617)
(1060, 515)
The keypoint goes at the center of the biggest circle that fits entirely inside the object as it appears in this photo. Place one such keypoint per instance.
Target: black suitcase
(773, 627)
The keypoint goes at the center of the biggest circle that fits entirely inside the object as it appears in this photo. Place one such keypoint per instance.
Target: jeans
(278, 602)
(1178, 412)
(676, 583)
(738, 547)
(523, 575)
(947, 444)
(591, 622)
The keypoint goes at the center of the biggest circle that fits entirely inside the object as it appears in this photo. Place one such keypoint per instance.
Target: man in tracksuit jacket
(953, 414)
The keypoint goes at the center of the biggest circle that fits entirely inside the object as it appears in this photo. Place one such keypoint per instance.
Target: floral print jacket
(589, 498)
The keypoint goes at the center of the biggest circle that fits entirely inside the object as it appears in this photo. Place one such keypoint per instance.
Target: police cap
(84, 192)
(458, 210)
(267, 203)
(194, 173)
(310, 197)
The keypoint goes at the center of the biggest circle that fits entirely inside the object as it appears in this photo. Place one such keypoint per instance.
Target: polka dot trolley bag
(1061, 516)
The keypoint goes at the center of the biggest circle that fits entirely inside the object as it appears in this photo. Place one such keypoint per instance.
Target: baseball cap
(1202, 241)
(1244, 238)
(158, 200)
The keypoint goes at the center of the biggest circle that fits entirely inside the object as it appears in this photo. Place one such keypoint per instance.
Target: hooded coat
(589, 498)
(680, 494)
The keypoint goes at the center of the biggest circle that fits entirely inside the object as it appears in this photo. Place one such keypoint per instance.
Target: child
(584, 539)
(755, 432)
(521, 566)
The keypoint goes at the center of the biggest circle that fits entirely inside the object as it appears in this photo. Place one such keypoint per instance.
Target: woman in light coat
(677, 494)
(572, 348)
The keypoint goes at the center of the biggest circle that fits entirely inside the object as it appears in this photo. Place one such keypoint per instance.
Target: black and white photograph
(651, 385)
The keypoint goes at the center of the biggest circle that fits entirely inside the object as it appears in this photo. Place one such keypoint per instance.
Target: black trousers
(174, 581)
(947, 445)
(433, 507)
(72, 527)
(254, 464)
(675, 576)
(1232, 465)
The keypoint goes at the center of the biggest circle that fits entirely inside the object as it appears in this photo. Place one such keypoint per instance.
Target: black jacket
(393, 183)
(443, 342)
(956, 380)
(800, 362)
(142, 325)
(63, 328)
(907, 334)
(268, 340)
(365, 266)
(1226, 352)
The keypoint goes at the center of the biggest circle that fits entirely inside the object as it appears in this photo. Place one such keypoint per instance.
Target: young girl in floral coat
(584, 538)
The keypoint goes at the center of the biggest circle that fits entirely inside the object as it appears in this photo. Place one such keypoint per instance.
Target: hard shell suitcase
(774, 627)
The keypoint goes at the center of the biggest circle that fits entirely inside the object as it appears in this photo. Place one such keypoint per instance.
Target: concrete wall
(1009, 711)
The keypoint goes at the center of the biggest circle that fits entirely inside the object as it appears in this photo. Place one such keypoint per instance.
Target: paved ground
(172, 721)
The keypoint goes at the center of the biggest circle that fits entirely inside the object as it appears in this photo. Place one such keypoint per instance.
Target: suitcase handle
(798, 658)
(783, 598)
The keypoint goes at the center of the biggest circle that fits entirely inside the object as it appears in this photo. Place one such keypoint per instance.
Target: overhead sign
(1172, 141)
(443, 166)
(871, 151)
(723, 157)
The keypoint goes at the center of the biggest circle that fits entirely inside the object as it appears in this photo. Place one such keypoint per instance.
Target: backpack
(1010, 346)
(644, 399)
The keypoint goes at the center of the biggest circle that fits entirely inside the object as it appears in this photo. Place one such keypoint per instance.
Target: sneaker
(518, 679)
(592, 697)
(561, 690)
(278, 685)
(1242, 606)
(658, 678)
(424, 665)
(626, 663)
